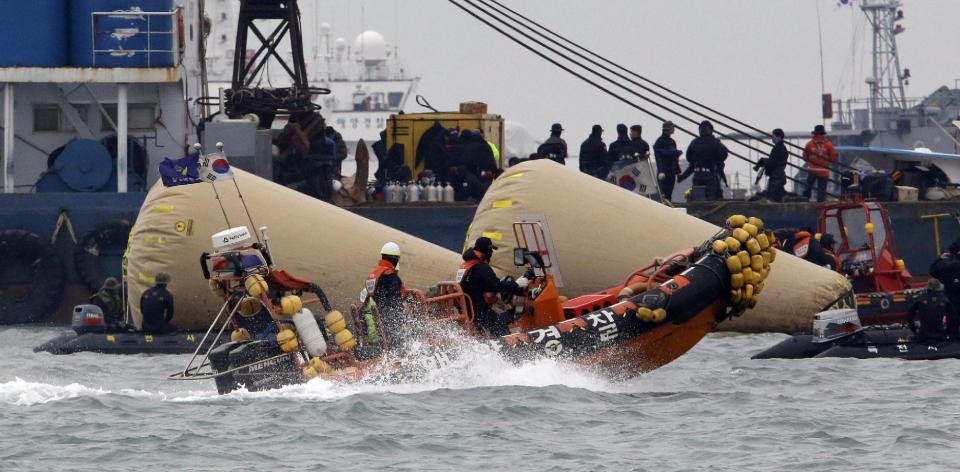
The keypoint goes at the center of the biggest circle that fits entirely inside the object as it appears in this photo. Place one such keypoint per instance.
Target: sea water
(713, 409)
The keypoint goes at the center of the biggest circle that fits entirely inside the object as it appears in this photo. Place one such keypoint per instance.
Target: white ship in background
(365, 77)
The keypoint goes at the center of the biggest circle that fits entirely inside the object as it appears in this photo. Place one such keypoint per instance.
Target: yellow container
(408, 129)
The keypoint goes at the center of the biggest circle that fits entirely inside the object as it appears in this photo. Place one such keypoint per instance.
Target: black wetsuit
(667, 156)
(156, 306)
(947, 271)
(479, 280)
(936, 315)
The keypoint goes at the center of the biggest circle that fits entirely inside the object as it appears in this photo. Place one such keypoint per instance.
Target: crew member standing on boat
(668, 161)
(707, 157)
(946, 269)
(481, 284)
(936, 315)
(819, 155)
(156, 306)
(776, 168)
(554, 148)
(593, 154)
(384, 289)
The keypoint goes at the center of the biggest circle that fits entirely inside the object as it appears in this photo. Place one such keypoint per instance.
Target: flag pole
(240, 195)
(199, 148)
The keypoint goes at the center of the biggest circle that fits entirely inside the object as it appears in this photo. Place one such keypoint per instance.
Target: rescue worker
(340, 152)
(667, 156)
(480, 283)
(110, 300)
(384, 290)
(935, 314)
(775, 167)
(827, 245)
(156, 306)
(593, 154)
(946, 269)
(554, 148)
(640, 150)
(707, 157)
(621, 148)
(819, 155)
(472, 169)
(493, 148)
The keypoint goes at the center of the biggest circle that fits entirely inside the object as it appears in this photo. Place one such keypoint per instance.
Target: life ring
(26, 256)
(99, 253)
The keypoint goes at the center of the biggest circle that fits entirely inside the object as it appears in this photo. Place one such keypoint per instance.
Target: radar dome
(340, 43)
(370, 46)
(324, 28)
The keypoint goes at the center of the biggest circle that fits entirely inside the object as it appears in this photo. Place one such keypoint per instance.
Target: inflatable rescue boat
(840, 333)
(91, 334)
(654, 316)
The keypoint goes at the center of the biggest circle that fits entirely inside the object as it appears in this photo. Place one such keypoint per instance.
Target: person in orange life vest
(481, 284)
(802, 244)
(385, 289)
(819, 155)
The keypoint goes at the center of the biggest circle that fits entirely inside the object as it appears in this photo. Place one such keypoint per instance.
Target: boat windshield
(854, 222)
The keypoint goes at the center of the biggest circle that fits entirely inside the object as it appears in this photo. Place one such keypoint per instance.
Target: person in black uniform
(156, 306)
(775, 167)
(640, 150)
(668, 161)
(554, 148)
(621, 148)
(593, 154)
(946, 269)
(706, 155)
(481, 284)
(936, 315)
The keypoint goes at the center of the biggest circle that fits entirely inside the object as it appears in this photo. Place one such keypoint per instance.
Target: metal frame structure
(886, 87)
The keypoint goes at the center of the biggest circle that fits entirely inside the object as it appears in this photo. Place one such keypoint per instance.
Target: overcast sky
(757, 60)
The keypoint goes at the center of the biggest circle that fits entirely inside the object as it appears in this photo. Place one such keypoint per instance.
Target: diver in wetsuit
(110, 300)
(481, 284)
(936, 315)
(946, 269)
(156, 306)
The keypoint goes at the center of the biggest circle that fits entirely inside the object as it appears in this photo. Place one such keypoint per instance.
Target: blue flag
(182, 171)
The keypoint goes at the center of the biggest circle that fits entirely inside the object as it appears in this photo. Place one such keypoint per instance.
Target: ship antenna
(197, 148)
(240, 195)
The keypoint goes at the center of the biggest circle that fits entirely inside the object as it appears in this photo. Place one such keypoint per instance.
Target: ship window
(49, 117)
(394, 99)
(140, 116)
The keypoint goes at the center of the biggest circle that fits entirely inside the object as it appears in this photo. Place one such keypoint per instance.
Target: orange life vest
(802, 247)
(465, 269)
(820, 155)
(373, 280)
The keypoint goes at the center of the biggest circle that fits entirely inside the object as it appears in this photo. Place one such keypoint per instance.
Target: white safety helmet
(390, 249)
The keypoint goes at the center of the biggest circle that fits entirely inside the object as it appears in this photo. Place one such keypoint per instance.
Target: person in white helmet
(384, 289)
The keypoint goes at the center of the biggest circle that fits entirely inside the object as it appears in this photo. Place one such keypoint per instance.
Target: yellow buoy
(719, 247)
(249, 306)
(764, 273)
(736, 295)
(255, 285)
(240, 335)
(345, 340)
(773, 255)
(736, 280)
(756, 222)
(732, 243)
(868, 227)
(310, 373)
(763, 241)
(901, 265)
(659, 315)
(736, 221)
(217, 289)
(290, 305)
(750, 229)
(753, 246)
(756, 278)
(756, 262)
(334, 322)
(644, 314)
(741, 234)
(287, 340)
(320, 365)
(734, 265)
(747, 275)
(744, 258)
(766, 258)
(748, 291)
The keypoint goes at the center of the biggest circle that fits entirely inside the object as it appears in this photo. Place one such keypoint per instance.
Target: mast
(887, 82)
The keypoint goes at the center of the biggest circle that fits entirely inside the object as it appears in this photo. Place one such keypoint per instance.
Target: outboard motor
(88, 319)
(834, 324)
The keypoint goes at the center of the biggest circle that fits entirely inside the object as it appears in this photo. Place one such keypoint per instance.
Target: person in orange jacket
(819, 155)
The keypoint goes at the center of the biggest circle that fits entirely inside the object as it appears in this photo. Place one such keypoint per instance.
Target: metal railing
(126, 34)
